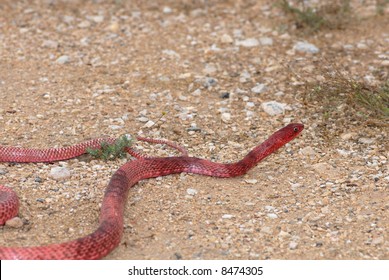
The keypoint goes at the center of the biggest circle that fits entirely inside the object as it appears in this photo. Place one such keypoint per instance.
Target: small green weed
(333, 14)
(336, 89)
(111, 151)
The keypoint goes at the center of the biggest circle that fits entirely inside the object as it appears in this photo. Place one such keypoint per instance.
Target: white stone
(259, 88)
(191, 191)
(227, 216)
(273, 108)
(293, 245)
(63, 59)
(226, 117)
(227, 39)
(59, 173)
(248, 43)
(306, 47)
(266, 41)
(272, 216)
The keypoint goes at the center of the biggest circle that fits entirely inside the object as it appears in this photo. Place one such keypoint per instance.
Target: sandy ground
(184, 71)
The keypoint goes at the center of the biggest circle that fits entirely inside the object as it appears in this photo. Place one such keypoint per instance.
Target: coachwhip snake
(109, 232)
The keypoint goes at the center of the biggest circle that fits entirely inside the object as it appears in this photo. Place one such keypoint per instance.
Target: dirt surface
(190, 72)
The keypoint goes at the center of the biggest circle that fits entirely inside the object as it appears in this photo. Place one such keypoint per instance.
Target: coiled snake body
(109, 232)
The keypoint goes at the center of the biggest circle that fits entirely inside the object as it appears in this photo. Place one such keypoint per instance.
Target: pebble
(58, 173)
(227, 216)
(248, 43)
(325, 170)
(343, 152)
(227, 39)
(149, 124)
(273, 108)
(15, 222)
(63, 59)
(364, 140)
(251, 181)
(114, 27)
(84, 24)
(306, 47)
(272, 216)
(171, 53)
(308, 151)
(266, 41)
(115, 127)
(293, 245)
(209, 82)
(226, 117)
(266, 230)
(259, 88)
(143, 119)
(191, 191)
(378, 240)
(348, 135)
(166, 10)
(50, 44)
(97, 19)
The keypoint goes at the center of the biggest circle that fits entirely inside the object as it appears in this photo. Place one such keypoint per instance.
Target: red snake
(109, 232)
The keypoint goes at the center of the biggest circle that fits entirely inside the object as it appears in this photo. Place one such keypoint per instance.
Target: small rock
(266, 230)
(3, 171)
(259, 88)
(348, 136)
(63, 59)
(270, 208)
(15, 222)
(191, 191)
(385, 63)
(171, 53)
(226, 39)
(227, 216)
(167, 10)
(306, 47)
(226, 117)
(308, 151)
(251, 181)
(266, 41)
(248, 43)
(377, 240)
(115, 127)
(58, 173)
(149, 124)
(364, 140)
(50, 44)
(225, 95)
(143, 119)
(293, 245)
(273, 108)
(325, 210)
(343, 152)
(272, 216)
(209, 69)
(84, 24)
(209, 82)
(326, 171)
(114, 27)
(283, 234)
(97, 19)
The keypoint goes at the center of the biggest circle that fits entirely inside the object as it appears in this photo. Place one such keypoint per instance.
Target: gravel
(71, 71)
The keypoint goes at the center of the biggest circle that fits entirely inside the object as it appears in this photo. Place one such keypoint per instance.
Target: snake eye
(295, 129)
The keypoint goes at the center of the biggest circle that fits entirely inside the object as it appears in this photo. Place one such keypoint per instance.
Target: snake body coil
(109, 232)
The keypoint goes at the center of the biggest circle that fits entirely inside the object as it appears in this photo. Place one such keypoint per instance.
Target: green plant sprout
(112, 151)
